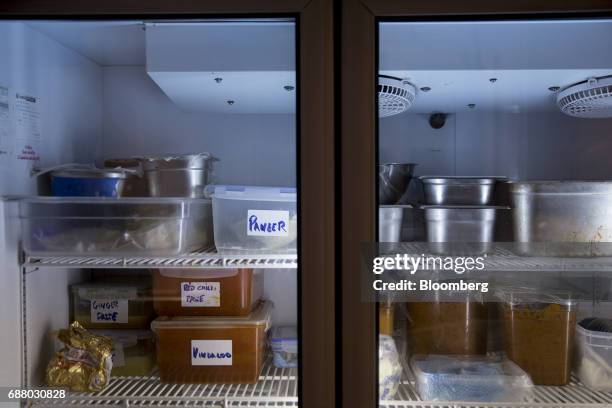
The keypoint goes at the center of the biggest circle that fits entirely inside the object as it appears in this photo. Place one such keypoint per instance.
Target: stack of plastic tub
(213, 324)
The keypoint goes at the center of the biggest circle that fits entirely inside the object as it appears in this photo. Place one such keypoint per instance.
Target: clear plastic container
(539, 333)
(449, 323)
(133, 351)
(385, 318)
(206, 292)
(389, 368)
(56, 226)
(255, 219)
(112, 305)
(212, 349)
(284, 345)
(470, 379)
(594, 358)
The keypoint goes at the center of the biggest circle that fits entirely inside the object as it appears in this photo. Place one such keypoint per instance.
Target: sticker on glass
(109, 311)
(211, 352)
(267, 223)
(200, 294)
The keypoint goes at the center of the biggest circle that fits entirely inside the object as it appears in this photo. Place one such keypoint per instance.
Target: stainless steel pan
(562, 218)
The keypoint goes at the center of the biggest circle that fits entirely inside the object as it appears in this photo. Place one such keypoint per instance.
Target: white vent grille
(394, 96)
(589, 99)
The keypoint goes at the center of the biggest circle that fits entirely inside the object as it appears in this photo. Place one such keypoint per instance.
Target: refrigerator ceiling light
(394, 96)
(588, 99)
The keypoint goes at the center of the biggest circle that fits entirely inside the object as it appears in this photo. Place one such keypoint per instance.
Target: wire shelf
(502, 259)
(207, 258)
(277, 387)
(573, 395)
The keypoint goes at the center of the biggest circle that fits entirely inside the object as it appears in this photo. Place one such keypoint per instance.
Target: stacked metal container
(460, 210)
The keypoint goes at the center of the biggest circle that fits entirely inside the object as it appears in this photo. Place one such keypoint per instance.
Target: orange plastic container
(385, 319)
(206, 292)
(212, 349)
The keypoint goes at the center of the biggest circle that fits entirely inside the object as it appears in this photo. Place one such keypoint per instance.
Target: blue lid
(284, 334)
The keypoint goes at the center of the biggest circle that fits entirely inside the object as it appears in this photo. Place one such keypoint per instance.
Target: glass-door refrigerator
(481, 145)
(156, 164)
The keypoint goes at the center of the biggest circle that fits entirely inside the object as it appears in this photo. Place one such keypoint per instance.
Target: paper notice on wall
(5, 123)
(28, 138)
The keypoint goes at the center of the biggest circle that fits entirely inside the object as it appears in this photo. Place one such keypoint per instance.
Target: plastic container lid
(125, 337)
(93, 173)
(260, 316)
(516, 296)
(253, 193)
(92, 291)
(205, 273)
(283, 337)
(450, 295)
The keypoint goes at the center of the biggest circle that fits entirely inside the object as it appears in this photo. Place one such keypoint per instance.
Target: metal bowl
(393, 181)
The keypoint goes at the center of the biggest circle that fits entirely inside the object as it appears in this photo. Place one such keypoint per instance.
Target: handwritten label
(200, 294)
(118, 355)
(267, 223)
(211, 352)
(109, 311)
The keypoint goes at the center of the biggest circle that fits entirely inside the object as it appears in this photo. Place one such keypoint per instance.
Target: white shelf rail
(207, 258)
(277, 387)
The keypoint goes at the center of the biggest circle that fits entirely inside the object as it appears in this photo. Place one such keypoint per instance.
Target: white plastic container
(255, 219)
(284, 345)
(594, 358)
(470, 379)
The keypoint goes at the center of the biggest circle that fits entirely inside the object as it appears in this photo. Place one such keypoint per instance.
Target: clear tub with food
(206, 292)
(539, 333)
(385, 318)
(448, 323)
(255, 219)
(284, 345)
(215, 349)
(470, 379)
(594, 353)
(56, 226)
(112, 305)
(133, 351)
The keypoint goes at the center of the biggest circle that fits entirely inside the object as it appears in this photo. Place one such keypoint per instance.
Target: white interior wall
(519, 146)
(69, 88)
(47, 310)
(140, 119)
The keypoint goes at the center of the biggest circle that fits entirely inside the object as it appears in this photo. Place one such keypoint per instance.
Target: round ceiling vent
(588, 99)
(394, 96)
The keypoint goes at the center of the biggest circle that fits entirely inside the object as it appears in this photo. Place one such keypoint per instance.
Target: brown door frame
(358, 159)
(315, 151)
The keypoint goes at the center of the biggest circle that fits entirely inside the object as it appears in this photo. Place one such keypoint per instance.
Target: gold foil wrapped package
(84, 363)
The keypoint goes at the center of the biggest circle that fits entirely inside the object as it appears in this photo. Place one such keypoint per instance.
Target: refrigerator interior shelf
(277, 387)
(502, 259)
(573, 395)
(207, 258)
